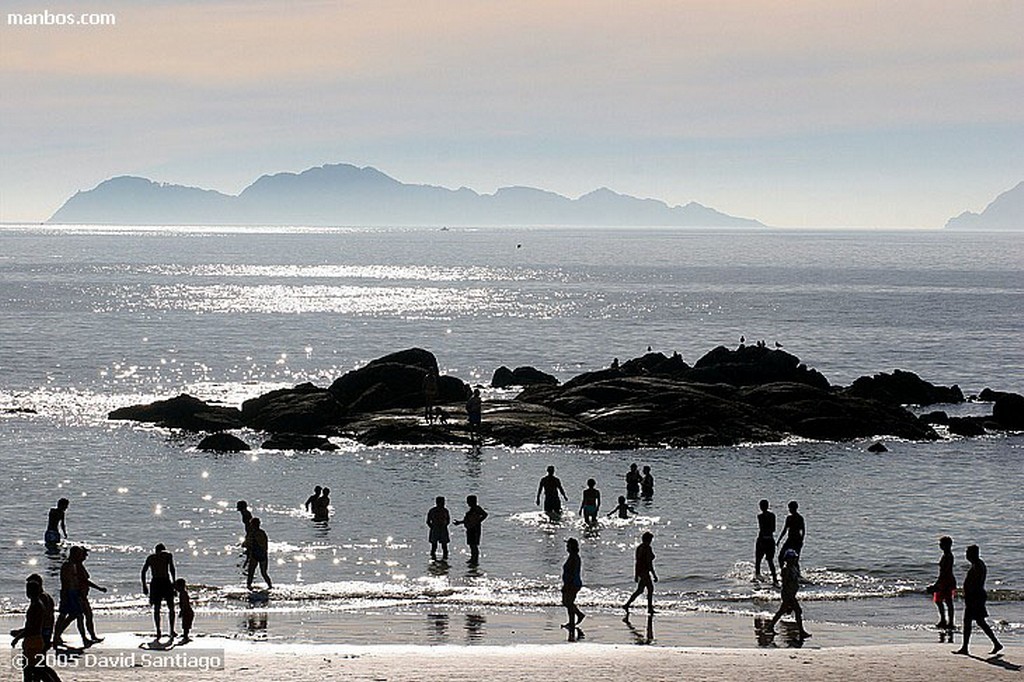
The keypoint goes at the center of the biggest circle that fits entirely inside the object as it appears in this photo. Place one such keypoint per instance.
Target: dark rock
(904, 388)
(223, 442)
(936, 417)
(303, 409)
(753, 366)
(182, 412)
(878, 446)
(989, 396)
(394, 381)
(298, 441)
(1008, 411)
(521, 376)
(966, 426)
(18, 410)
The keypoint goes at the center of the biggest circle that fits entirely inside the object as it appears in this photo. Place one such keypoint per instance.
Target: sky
(799, 113)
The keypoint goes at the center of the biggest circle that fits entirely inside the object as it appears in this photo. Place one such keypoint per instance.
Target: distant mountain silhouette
(1006, 212)
(343, 194)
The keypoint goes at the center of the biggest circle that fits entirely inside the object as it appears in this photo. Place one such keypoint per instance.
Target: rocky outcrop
(394, 381)
(223, 442)
(1008, 411)
(521, 376)
(303, 409)
(298, 441)
(753, 366)
(904, 388)
(183, 412)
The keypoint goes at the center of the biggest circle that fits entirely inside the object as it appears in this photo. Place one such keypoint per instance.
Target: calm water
(91, 319)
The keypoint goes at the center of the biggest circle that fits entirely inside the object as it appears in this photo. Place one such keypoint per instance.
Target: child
(622, 509)
(187, 614)
(790, 585)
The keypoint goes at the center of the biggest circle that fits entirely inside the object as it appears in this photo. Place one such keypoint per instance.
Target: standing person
(160, 566)
(55, 523)
(187, 614)
(633, 479)
(590, 504)
(794, 531)
(622, 508)
(764, 547)
(790, 586)
(643, 573)
(322, 506)
(84, 586)
(572, 582)
(258, 550)
(474, 409)
(70, 607)
(551, 487)
(310, 504)
(473, 520)
(33, 644)
(48, 609)
(944, 588)
(975, 597)
(429, 395)
(647, 484)
(438, 520)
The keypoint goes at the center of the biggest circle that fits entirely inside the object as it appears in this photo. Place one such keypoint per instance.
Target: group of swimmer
(637, 485)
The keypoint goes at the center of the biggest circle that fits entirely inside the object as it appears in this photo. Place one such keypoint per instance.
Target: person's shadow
(642, 638)
(997, 660)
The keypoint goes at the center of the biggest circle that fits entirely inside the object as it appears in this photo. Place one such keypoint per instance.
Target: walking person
(590, 503)
(552, 488)
(944, 588)
(84, 585)
(790, 586)
(49, 609)
(160, 589)
(257, 546)
(472, 521)
(975, 597)
(572, 583)
(438, 520)
(764, 547)
(643, 573)
(33, 644)
(70, 606)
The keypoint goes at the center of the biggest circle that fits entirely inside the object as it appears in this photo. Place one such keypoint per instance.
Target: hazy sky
(798, 113)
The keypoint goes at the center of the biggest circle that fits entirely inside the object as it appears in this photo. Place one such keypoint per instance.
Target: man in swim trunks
(644, 573)
(551, 487)
(55, 523)
(310, 504)
(258, 553)
(764, 548)
(438, 520)
(48, 609)
(975, 597)
(473, 520)
(70, 608)
(160, 564)
(33, 645)
(590, 503)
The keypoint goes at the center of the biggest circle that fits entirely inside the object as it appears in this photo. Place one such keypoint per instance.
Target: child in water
(187, 614)
(622, 509)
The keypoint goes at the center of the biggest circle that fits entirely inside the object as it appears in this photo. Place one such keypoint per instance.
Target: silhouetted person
(944, 588)
(975, 597)
(243, 509)
(572, 582)
(438, 520)
(552, 488)
(764, 548)
(622, 508)
(258, 552)
(70, 607)
(647, 484)
(794, 531)
(49, 610)
(187, 614)
(160, 566)
(310, 503)
(643, 572)
(55, 523)
(472, 520)
(322, 506)
(633, 479)
(429, 395)
(790, 586)
(33, 644)
(84, 585)
(590, 503)
(474, 410)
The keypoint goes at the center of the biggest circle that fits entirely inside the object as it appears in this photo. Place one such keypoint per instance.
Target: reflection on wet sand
(255, 625)
(476, 628)
(437, 630)
(786, 634)
(645, 637)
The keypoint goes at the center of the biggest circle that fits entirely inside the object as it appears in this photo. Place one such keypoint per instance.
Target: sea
(97, 317)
